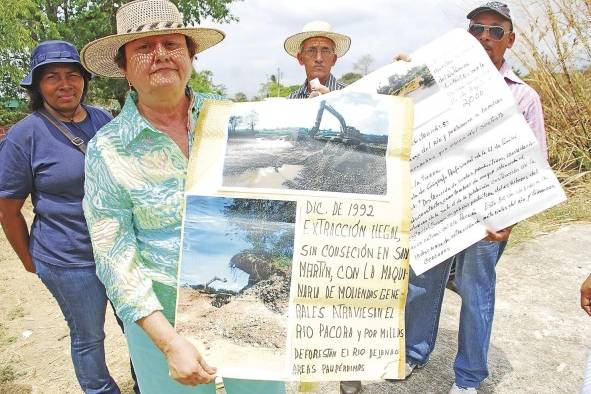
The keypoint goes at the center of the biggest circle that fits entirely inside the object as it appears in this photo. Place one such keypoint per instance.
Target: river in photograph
(210, 241)
(266, 177)
(226, 240)
(259, 162)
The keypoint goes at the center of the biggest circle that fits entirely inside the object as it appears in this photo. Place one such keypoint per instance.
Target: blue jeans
(152, 371)
(82, 299)
(475, 280)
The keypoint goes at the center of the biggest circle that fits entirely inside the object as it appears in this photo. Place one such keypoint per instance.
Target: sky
(367, 113)
(253, 47)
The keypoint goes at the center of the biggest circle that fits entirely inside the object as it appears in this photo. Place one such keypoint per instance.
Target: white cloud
(253, 48)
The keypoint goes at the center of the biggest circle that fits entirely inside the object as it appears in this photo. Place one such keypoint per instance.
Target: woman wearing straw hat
(43, 156)
(136, 167)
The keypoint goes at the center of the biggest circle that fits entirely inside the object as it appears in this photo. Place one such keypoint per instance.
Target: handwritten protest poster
(475, 163)
(294, 263)
(348, 291)
(281, 186)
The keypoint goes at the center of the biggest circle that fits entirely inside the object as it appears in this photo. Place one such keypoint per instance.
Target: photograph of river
(230, 244)
(235, 277)
(336, 143)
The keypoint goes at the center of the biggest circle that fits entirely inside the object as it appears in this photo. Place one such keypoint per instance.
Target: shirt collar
(135, 123)
(508, 73)
(303, 90)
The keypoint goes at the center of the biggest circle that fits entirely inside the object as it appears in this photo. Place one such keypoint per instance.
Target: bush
(555, 47)
(8, 117)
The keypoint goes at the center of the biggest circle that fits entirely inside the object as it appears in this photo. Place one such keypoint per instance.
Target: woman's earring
(130, 85)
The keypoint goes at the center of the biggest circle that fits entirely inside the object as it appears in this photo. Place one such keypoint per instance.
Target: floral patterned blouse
(133, 204)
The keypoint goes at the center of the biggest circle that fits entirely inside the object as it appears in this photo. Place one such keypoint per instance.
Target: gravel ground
(539, 341)
(540, 334)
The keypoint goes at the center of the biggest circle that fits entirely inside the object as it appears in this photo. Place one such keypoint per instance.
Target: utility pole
(278, 79)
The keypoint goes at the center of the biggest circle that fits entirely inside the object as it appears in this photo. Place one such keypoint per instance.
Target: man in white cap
(475, 273)
(317, 48)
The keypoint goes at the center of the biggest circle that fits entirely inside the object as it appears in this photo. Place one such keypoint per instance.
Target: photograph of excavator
(334, 143)
(414, 80)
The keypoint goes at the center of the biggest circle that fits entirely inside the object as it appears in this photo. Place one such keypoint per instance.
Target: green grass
(5, 339)
(16, 313)
(577, 208)
(281, 262)
(7, 373)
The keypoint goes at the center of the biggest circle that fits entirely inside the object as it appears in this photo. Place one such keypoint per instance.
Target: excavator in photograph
(348, 135)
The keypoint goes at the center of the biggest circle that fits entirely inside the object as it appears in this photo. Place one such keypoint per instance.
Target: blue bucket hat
(52, 51)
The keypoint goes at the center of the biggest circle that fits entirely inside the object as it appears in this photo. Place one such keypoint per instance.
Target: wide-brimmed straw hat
(48, 52)
(141, 18)
(317, 29)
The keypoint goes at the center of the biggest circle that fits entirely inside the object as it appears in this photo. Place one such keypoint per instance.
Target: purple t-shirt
(37, 159)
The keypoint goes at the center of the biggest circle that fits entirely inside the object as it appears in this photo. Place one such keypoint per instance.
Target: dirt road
(539, 341)
(540, 334)
(34, 337)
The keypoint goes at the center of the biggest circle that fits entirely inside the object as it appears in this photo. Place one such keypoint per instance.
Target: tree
(81, 21)
(240, 97)
(16, 40)
(268, 225)
(15, 43)
(232, 123)
(349, 78)
(272, 88)
(202, 82)
(250, 120)
(27, 22)
(363, 65)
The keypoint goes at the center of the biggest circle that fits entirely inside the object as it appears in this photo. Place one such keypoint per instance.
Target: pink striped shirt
(528, 102)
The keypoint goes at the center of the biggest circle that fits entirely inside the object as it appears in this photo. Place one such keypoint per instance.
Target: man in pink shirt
(475, 276)
(492, 25)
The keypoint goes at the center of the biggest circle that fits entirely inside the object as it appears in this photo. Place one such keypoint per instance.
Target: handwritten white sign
(475, 163)
(295, 252)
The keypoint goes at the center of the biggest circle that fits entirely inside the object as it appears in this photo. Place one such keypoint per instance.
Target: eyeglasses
(496, 33)
(313, 52)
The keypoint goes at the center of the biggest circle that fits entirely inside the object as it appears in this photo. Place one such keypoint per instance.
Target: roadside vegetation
(554, 45)
(7, 371)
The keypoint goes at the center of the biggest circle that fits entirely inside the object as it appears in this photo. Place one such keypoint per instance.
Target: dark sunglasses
(494, 32)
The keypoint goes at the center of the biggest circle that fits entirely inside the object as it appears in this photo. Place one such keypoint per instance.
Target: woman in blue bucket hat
(42, 156)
